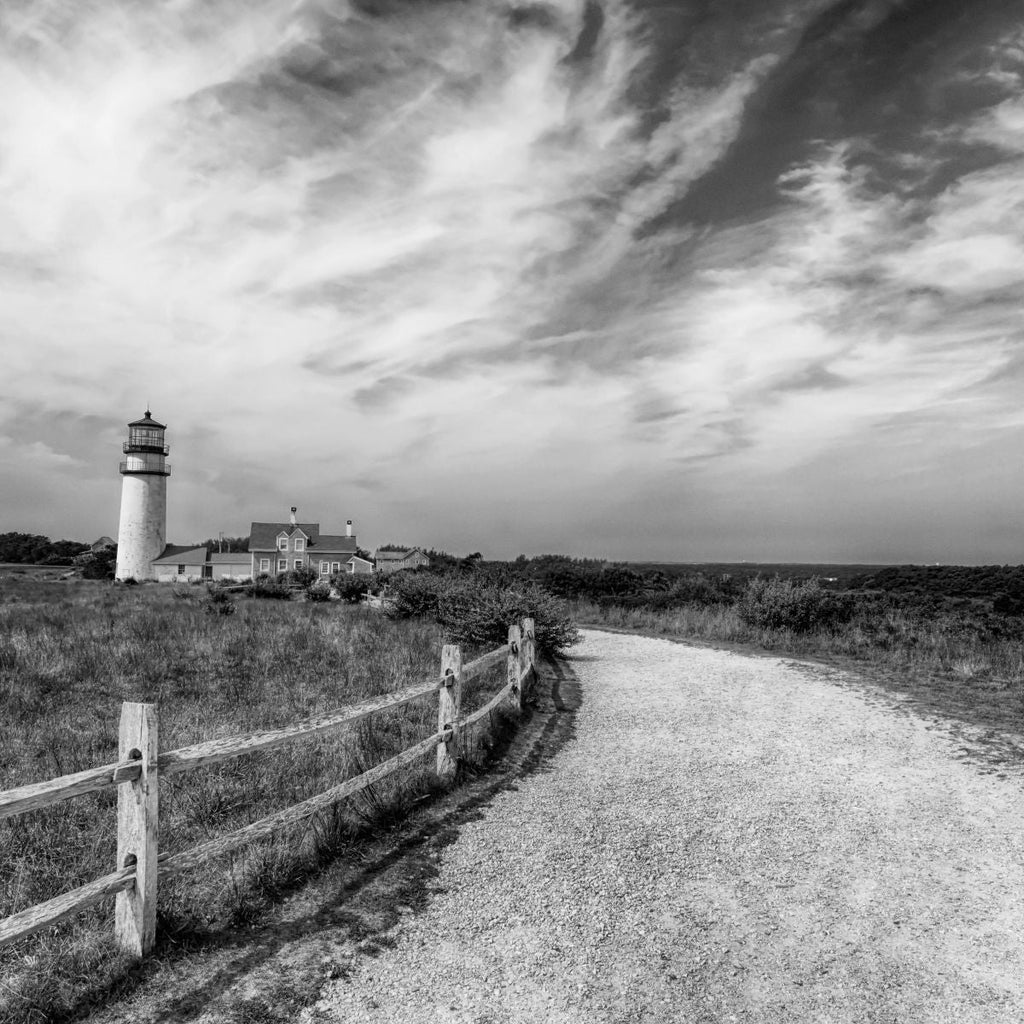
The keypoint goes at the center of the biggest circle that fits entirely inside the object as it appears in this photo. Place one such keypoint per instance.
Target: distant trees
(225, 544)
(1005, 583)
(441, 559)
(35, 549)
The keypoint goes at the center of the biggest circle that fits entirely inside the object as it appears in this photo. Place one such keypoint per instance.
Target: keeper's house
(273, 548)
(281, 547)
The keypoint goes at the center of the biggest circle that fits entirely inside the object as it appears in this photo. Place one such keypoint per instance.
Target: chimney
(348, 527)
(294, 510)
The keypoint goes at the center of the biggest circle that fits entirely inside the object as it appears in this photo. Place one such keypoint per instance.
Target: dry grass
(71, 653)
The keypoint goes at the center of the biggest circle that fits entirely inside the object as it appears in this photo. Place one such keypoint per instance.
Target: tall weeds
(71, 653)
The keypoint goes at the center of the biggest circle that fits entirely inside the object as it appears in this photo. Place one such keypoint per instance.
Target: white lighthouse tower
(143, 525)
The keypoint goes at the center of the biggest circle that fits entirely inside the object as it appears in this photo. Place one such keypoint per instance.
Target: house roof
(180, 553)
(359, 558)
(230, 558)
(263, 536)
(102, 542)
(334, 542)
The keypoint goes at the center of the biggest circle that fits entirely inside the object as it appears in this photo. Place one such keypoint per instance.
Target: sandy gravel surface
(725, 838)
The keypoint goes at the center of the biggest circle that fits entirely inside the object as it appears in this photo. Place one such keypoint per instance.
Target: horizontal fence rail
(53, 791)
(30, 921)
(202, 755)
(138, 771)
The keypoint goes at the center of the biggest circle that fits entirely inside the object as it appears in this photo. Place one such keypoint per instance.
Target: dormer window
(300, 543)
(282, 543)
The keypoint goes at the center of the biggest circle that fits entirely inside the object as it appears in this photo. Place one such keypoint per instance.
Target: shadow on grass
(348, 909)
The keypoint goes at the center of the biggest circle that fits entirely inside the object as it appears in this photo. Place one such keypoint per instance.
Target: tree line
(35, 549)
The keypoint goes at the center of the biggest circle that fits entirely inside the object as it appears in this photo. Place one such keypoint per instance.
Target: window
(297, 563)
(336, 567)
(282, 565)
(264, 565)
(181, 570)
(325, 568)
(282, 543)
(300, 543)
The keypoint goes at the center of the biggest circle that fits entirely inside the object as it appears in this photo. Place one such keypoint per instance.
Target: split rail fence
(140, 766)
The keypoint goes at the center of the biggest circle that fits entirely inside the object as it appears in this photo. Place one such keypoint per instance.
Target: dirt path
(723, 838)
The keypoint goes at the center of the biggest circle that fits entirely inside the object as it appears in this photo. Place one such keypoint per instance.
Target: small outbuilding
(179, 564)
(393, 561)
(230, 565)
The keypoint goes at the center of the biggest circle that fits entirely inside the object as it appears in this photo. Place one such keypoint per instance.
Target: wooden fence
(140, 766)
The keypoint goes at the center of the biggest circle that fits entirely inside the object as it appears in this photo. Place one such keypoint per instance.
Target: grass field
(71, 652)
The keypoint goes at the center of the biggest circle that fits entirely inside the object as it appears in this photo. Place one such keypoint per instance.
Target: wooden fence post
(526, 659)
(512, 671)
(137, 804)
(448, 707)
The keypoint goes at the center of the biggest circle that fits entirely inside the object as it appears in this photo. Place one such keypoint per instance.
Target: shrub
(480, 614)
(218, 601)
(1009, 604)
(303, 577)
(267, 587)
(477, 612)
(351, 588)
(97, 565)
(319, 591)
(414, 594)
(800, 607)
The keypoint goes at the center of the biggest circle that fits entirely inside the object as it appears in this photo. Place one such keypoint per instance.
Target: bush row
(476, 610)
(800, 607)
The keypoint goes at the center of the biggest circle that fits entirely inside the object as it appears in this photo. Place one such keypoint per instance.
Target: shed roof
(230, 558)
(180, 553)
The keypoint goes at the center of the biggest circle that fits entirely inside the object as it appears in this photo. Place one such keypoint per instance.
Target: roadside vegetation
(218, 662)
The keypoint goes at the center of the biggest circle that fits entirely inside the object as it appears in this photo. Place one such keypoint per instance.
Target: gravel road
(724, 838)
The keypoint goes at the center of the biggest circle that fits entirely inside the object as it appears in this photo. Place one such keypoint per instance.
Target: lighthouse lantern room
(143, 524)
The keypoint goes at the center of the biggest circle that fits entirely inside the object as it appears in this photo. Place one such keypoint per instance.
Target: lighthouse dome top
(148, 421)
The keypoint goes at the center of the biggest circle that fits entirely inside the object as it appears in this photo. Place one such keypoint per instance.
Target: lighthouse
(143, 524)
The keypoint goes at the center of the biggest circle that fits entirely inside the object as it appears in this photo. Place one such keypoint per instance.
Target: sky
(682, 281)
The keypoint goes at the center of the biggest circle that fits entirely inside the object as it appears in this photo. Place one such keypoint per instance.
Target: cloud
(431, 256)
